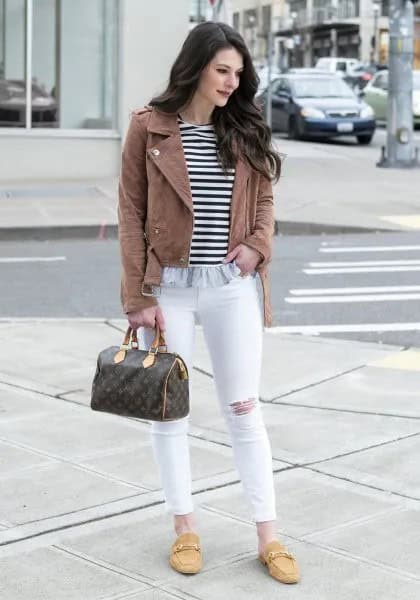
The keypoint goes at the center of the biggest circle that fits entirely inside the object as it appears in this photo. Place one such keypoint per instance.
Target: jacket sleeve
(132, 212)
(262, 236)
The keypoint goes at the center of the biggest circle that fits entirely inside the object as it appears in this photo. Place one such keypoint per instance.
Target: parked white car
(341, 66)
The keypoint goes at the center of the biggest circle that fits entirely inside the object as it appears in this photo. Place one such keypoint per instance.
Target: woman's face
(220, 77)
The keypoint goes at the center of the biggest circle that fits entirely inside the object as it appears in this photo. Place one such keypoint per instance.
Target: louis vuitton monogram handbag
(147, 384)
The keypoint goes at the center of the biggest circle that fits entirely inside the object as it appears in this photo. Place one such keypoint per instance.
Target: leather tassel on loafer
(186, 553)
(281, 564)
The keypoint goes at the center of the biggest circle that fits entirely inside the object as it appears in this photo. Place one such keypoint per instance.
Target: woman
(195, 229)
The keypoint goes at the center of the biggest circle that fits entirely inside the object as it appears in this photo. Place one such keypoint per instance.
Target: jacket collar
(163, 123)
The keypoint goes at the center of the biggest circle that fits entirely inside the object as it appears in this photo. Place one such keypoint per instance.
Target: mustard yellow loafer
(281, 564)
(185, 554)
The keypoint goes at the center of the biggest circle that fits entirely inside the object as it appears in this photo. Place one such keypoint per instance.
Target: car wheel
(293, 130)
(365, 139)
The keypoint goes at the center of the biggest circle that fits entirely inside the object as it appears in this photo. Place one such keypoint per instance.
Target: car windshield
(322, 88)
(17, 89)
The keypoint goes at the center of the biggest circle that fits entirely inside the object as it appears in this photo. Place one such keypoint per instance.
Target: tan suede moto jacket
(155, 211)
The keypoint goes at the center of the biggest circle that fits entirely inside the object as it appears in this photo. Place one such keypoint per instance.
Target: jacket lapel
(168, 155)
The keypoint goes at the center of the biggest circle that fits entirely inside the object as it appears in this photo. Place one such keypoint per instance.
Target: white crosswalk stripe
(28, 259)
(343, 316)
(368, 249)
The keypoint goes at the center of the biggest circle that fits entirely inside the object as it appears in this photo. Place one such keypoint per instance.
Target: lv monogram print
(156, 393)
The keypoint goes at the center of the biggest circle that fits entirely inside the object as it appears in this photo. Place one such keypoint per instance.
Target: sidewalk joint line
(80, 466)
(60, 396)
(345, 410)
(361, 483)
(357, 558)
(79, 523)
(357, 451)
(103, 564)
(315, 383)
(41, 393)
(113, 326)
(203, 372)
(361, 520)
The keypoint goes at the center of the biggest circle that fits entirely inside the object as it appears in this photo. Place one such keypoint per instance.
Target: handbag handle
(130, 340)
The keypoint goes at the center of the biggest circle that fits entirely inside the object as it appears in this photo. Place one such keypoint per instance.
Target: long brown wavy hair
(239, 126)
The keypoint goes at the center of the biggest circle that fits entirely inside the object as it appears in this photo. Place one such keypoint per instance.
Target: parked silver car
(13, 105)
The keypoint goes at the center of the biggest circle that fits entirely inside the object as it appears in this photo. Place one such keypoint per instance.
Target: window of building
(348, 9)
(385, 8)
(68, 50)
(235, 17)
(266, 19)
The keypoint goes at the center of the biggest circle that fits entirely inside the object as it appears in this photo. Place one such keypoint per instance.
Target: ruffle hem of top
(200, 276)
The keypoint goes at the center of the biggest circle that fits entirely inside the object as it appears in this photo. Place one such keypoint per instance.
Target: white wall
(151, 36)
(44, 158)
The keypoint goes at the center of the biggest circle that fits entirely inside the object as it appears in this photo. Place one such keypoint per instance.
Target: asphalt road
(364, 286)
(314, 289)
(349, 142)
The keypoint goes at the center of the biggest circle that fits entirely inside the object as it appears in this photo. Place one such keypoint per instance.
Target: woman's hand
(148, 317)
(245, 257)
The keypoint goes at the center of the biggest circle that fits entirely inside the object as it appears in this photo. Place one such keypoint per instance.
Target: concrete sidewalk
(325, 187)
(81, 511)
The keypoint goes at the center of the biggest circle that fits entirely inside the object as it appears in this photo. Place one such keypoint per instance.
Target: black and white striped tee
(211, 193)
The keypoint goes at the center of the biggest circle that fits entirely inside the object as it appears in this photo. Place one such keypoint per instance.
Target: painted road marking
(344, 328)
(355, 290)
(368, 248)
(353, 298)
(408, 360)
(365, 263)
(23, 259)
(361, 270)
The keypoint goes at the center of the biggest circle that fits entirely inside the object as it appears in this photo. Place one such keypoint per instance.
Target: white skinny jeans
(232, 326)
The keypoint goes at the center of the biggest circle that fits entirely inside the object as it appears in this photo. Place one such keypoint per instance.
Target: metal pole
(268, 115)
(400, 150)
(375, 33)
(28, 63)
(198, 11)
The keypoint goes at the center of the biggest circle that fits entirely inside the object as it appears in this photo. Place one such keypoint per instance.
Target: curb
(102, 232)
(311, 228)
(58, 232)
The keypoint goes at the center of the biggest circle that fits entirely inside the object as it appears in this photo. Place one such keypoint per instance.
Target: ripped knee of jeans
(242, 407)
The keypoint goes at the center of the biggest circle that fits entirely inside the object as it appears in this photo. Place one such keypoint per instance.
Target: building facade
(90, 63)
(305, 30)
